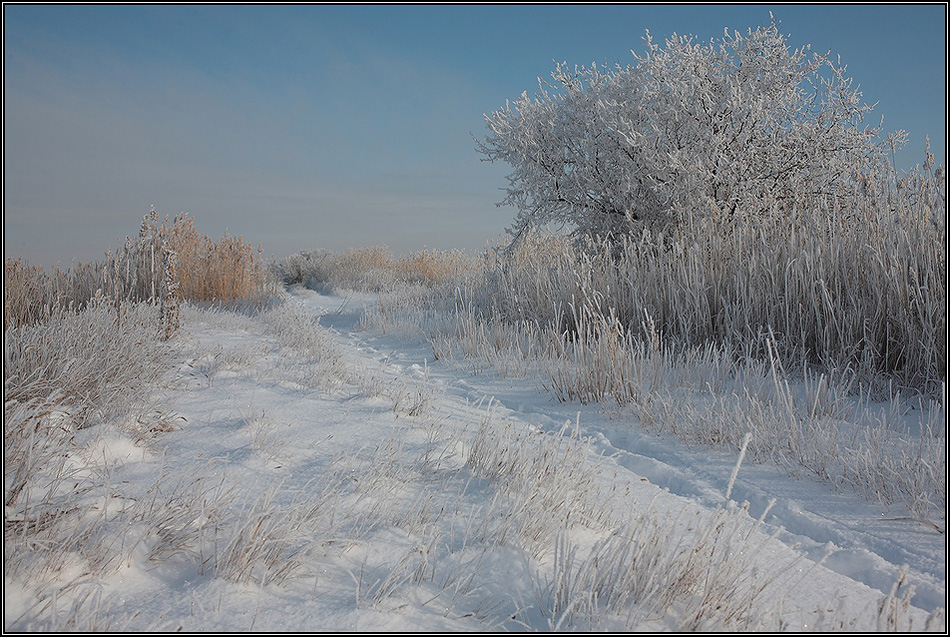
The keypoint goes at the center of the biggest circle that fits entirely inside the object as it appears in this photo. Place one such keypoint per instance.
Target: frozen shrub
(722, 129)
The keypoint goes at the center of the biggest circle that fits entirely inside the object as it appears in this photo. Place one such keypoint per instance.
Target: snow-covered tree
(723, 129)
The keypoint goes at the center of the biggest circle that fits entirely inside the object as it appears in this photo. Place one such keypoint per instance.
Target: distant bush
(227, 270)
(167, 261)
(370, 268)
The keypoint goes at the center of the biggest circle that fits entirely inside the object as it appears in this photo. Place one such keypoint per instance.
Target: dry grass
(62, 376)
(227, 270)
(789, 323)
(539, 497)
(168, 261)
(863, 290)
(372, 268)
(32, 296)
(92, 363)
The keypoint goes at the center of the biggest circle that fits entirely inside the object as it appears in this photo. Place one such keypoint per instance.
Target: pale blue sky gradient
(311, 126)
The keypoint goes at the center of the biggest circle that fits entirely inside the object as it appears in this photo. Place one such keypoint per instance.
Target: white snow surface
(378, 441)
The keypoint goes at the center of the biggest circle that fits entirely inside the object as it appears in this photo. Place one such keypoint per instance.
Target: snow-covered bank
(321, 477)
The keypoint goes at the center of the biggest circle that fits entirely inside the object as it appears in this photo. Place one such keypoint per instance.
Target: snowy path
(334, 479)
(864, 542)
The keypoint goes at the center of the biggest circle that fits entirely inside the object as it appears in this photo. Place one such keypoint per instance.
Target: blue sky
(310, 126)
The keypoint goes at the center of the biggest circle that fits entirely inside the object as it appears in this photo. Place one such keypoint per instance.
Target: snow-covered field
(314, 475)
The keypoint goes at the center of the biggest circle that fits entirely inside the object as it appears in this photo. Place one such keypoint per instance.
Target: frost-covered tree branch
(723, 129)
